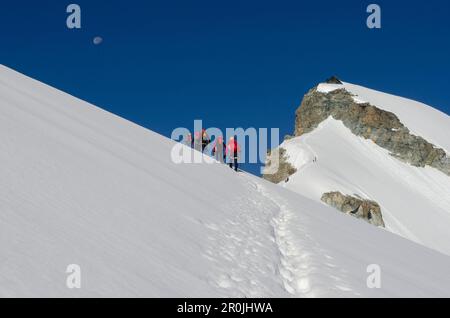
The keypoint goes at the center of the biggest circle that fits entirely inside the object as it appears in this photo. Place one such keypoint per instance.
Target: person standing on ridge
(197, 141)
(205, 139)
(219, 149)
(232, 152)
(188, 141)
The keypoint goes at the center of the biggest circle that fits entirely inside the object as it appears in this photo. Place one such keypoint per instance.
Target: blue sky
(235, 63)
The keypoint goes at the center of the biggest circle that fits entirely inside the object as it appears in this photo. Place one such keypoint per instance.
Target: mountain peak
(333, 80)
(361, 142)
(81, 177)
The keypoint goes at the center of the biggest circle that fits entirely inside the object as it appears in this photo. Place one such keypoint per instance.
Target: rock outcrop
(367, 210)
(333, 80)
(365, 120)
(285, 169)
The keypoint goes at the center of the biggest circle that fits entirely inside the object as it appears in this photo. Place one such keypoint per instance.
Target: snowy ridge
(421, 119)
(415, 201)
(82, 186)
(327, 88)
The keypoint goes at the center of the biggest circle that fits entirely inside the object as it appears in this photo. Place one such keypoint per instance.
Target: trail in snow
(243, 248)
(240, 246)
(415, 202)
(306, 268)
(140, 225)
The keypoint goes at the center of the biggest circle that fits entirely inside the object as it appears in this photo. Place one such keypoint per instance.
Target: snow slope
(415, 202)
(82, 186)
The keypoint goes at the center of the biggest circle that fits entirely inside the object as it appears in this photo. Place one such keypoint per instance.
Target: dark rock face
(333, 80)
(370, 122)
(285, 169)
(367, 210)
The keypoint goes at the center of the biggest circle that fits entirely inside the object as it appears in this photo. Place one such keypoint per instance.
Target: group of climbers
(221, 152)
(199, 142)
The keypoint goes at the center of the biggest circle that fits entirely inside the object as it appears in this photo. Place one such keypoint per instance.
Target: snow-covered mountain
(82, 186)
(375, 146)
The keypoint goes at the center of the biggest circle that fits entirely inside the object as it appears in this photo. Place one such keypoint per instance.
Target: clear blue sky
(234, 63)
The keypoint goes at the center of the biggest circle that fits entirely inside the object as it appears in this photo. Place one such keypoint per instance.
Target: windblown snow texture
(82, 186)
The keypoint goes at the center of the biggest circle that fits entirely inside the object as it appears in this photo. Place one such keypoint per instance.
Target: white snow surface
(327, 88)
(82, 186)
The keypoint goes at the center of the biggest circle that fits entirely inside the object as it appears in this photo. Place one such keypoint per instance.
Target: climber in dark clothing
(197, 141)
(205, 139)
(219, 149)
(189, 141)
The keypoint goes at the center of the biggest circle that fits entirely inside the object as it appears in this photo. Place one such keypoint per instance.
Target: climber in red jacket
(232, 152)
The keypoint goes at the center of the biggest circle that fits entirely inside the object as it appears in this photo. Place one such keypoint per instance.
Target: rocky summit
(372, 155)
(365, 120)
(333, 80)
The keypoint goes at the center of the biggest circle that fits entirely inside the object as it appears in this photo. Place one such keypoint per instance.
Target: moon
(97, 40)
